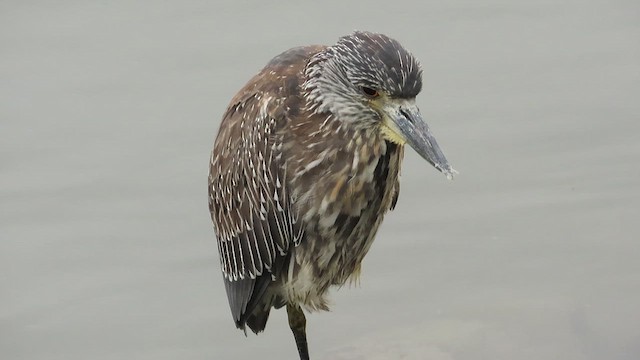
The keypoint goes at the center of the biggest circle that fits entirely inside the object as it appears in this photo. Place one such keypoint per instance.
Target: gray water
(109, 109)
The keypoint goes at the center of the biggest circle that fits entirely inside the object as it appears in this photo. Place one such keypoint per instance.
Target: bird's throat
(390, 135)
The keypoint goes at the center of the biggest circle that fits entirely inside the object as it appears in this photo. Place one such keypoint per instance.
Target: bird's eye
(372, 93)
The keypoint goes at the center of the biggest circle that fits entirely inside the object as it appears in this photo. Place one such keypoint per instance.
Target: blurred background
(109, 109)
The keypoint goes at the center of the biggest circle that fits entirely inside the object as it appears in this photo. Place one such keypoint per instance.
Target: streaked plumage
(305, 164)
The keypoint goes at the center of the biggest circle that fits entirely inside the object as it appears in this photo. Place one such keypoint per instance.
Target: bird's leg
(298, 323)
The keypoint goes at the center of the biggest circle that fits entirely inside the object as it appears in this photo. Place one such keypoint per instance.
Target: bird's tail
(257, 321)
(259, 306)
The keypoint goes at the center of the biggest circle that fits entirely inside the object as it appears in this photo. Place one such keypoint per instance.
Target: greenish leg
(298, 323)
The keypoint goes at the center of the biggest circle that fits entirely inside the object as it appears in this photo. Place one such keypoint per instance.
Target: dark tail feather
(257, 321)
(254, 302)
(239, 294)
(251, 300)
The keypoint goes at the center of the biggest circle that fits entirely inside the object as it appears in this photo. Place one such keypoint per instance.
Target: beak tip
(448, 171)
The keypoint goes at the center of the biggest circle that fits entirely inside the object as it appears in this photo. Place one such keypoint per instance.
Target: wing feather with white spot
(252, 211)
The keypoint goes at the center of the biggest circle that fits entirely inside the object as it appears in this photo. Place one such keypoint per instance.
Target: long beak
(404, 124)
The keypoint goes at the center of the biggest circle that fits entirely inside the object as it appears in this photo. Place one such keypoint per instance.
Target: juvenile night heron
(304, 167)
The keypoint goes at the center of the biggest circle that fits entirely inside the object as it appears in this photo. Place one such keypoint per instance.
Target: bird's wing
(252, 211)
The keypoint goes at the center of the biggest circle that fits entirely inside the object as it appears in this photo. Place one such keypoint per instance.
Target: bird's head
(369, 81)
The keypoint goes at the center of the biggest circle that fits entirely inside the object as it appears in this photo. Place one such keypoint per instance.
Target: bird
(305, 165)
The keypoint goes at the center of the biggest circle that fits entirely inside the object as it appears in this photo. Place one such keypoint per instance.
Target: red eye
(372, 93)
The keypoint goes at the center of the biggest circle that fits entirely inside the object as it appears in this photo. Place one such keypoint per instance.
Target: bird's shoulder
(280, 79)
(267, 102)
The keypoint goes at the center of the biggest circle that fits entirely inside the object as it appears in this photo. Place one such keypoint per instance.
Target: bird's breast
(341, 200)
